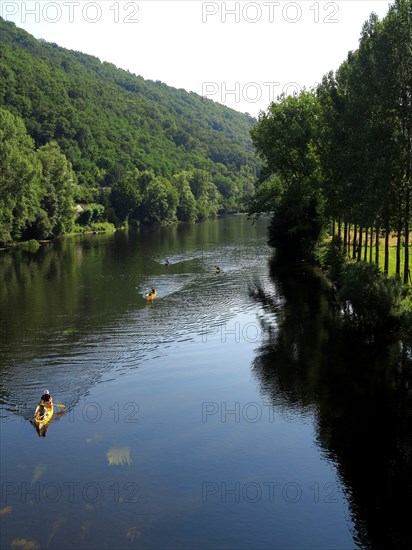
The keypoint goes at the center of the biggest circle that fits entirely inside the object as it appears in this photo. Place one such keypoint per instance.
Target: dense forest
(78, 131)
(339, 158)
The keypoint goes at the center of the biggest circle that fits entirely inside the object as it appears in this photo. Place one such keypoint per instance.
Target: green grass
(392, 257)
(100, 226)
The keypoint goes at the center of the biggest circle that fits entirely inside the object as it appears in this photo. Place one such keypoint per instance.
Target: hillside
(108, 121)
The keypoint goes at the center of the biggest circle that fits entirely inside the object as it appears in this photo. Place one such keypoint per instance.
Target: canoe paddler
(46, 401)
(47, 398)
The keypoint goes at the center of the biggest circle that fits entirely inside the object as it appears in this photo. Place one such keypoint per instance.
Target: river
(231, 412)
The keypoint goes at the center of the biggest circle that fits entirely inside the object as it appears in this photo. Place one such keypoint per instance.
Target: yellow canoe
(150, 297)
(40, 422)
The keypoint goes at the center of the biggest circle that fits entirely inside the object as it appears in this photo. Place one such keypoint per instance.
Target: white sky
(242, 54)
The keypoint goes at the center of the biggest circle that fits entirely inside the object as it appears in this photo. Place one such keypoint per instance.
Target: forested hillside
(120, 135)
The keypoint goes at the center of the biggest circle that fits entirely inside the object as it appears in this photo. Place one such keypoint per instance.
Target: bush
(29, 246)
(92, 213)
(331, 259)
(404, 310)
(370, 298)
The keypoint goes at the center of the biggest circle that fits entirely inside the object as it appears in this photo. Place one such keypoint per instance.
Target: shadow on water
(359, 393)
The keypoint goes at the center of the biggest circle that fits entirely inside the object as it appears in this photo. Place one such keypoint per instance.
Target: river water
(231, 412)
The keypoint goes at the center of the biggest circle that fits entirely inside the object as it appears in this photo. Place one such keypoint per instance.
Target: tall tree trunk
(365, 255)
(398, 252)
(345, 237)
(359, 250)
(371, 246)
(406, 262)
(355, 233)
(340, 234)
(386, 262)
(349, 239)
(377, 245)
(333, 228)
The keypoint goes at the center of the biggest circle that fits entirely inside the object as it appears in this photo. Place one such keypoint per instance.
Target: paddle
(59, 405)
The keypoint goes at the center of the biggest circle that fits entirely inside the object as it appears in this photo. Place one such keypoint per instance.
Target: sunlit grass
(392, 254)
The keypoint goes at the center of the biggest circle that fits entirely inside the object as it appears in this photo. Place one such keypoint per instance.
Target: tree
(186, 208)
(208, 198)
(396, 53)
(160, 201)
(284, 138)
(20, 173)
(57, 182)
(125, 195)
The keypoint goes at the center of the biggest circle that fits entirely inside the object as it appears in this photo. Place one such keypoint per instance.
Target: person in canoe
(217, 269)
(167, 263)
(151, 294)
(46, 400)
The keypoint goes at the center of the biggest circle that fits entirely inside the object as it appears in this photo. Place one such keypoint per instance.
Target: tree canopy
(343, 152)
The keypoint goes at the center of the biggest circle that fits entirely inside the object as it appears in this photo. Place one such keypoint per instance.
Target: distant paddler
(167, 263)
(217, 269)
(151, 295)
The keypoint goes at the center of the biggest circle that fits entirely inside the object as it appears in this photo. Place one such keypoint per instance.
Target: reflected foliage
(360, 394)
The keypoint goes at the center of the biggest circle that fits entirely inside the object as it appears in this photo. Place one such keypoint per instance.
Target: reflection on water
(119, 457)
(313, 420)
(25, 544)
(359, 393)
(38, 472)
(81, 301)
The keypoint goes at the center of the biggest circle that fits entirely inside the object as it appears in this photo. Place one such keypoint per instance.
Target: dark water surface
(229, 413)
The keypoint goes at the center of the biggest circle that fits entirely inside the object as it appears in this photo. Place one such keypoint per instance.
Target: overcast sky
(242, 54)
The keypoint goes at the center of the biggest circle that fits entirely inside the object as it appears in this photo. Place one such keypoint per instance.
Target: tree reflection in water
(360, 394)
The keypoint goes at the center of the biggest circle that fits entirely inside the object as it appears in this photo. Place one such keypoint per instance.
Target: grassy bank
(392, 254)
(369, 300)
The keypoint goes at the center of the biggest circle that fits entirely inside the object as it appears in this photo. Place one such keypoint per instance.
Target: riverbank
(368, 299)
(33, 245)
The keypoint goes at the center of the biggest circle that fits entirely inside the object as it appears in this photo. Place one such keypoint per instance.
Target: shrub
(91, 213)
(29, 246)
(370, 298)
(331, 259)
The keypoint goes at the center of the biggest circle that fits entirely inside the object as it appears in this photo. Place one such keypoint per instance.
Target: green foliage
(92, 213)
(160, 202)
(126, 196)
(57, 183)
(93, 227)
(186, 208)
(368, 295)
(85, 195)
(331, 259)
(20, 175)
(208, 198)
(284, 138)
(29, 246)
(108, 123)
(404, 310)
(296, 225)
